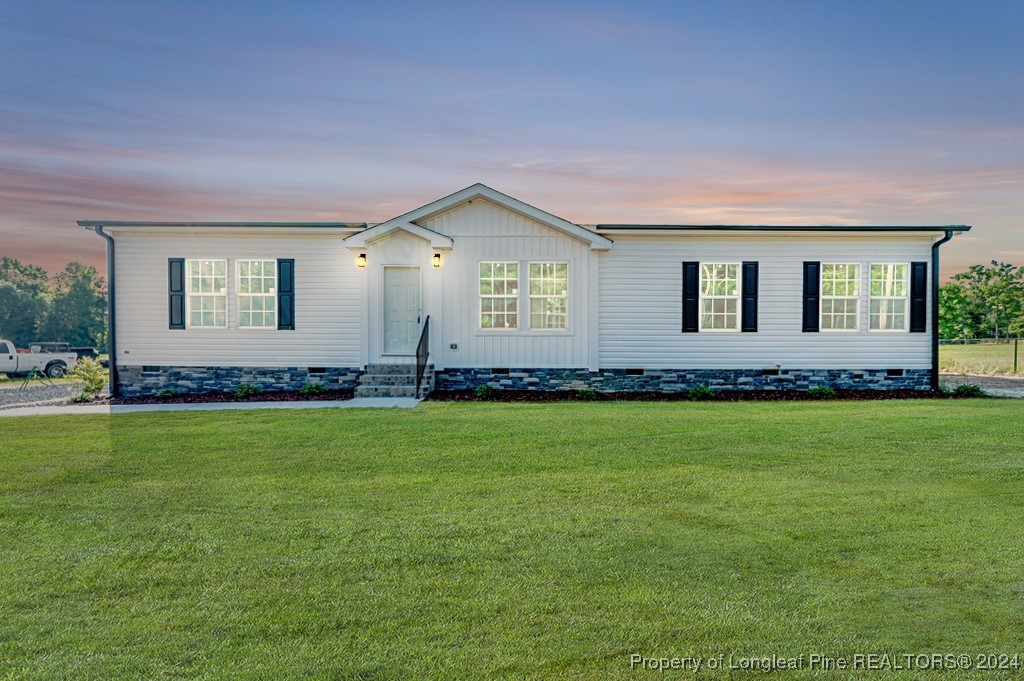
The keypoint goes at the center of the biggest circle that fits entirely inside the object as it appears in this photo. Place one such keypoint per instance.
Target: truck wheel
(56, 370)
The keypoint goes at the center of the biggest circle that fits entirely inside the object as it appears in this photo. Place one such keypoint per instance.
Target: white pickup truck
(53, 364)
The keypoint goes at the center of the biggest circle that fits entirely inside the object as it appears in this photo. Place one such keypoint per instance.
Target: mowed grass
(514, 541)
(981, 358)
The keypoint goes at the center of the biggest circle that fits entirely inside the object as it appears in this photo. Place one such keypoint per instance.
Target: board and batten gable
(327, 305)
(483, 231)
(641, 311)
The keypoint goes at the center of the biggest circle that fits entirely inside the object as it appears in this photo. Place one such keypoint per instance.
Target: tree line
(986, 301)
(70, 306)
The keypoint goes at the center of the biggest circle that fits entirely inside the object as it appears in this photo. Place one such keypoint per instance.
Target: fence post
(1016, 342)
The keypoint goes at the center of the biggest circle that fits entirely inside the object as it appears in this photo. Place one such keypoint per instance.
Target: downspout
(111, 313)
(935, 308)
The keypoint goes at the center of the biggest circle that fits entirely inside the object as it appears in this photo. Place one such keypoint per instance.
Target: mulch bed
(284, 396)
(719, 396)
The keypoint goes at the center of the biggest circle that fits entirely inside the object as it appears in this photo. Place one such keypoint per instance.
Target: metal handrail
(422, 353)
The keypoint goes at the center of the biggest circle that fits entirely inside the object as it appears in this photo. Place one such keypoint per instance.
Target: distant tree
(24, 300)
(77, 311)
(985, 301)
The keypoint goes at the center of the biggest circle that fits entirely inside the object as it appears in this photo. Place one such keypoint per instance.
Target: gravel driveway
(993, 385)
(11, 394)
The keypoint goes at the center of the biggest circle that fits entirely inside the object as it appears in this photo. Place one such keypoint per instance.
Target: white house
(519, 298)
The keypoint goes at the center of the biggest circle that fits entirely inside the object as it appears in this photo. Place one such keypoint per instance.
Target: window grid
(549, 295)
(257, 293)
(499, 295)
(719, 297)
(889, 290)
(206, 287)
(840, 296)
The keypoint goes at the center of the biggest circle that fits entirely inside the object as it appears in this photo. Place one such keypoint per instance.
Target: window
(890, 287)
(499, 295)
(257, 293)
(549, 295)
(719, 297)
(840, 296)
(207, 293)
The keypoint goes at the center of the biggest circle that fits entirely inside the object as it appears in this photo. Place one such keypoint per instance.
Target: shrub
(699, 393)
(167, 393)
(91, 375)
(487, 392)
(822, 392)
(968, 390)
(587, 395)
(314, 388)
(247, 390)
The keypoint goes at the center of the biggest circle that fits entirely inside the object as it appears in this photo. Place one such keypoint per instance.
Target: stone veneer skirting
(681, 380)
(147, 380)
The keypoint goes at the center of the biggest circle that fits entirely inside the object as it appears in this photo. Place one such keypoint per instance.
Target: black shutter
(749, 297)
(812, 295)
(175, 293)
(286, 294)
(691, 296)
(918, 296)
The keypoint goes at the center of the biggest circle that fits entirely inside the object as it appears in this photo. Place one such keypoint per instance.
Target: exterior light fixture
(361, 260)
(437, 260)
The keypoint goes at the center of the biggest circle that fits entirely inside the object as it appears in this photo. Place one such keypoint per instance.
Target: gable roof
(476, 191)
(436, 239)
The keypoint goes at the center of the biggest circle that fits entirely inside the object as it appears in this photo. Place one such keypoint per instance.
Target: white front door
(401, 310)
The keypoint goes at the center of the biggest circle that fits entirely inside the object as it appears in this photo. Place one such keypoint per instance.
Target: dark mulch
(719, 396)
(284, 396)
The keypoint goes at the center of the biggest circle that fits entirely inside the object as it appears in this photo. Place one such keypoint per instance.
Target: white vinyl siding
(889, 290)
(257, 293)
(206, 286)
(499, 295)
(549, 295)
(327, 302)
(486, 232)
(641, 308)
(840, 296)
(719, 297)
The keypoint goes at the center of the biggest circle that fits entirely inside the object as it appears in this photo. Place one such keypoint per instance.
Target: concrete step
(394, 368)
(385, 391)
(388, 379)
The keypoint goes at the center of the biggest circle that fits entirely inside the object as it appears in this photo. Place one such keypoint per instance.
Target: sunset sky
(696, 112)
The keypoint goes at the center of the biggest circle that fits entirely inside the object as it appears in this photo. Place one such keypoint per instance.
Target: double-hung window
(257, 293)
(499, 295)
(840, 296)
(719, 296)
(889, 290)
(549, 295)
(206, 289)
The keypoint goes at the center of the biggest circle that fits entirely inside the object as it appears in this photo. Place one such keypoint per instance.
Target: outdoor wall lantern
(437, 260)
(361, 260)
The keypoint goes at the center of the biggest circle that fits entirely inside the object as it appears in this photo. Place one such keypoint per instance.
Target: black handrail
(422, 353)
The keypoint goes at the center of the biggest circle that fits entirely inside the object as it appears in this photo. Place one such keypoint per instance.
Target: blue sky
(734, 112)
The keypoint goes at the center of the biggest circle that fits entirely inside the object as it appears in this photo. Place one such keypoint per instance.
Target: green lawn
(982, 358)
(460, 541)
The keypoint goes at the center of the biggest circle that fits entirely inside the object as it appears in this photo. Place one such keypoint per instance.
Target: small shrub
(822, 392)
(587, 395)
(247, 390)
(314, 388)
(91, 375)
(487, 392)
(167, 393)
(700, 393)
(968, 390)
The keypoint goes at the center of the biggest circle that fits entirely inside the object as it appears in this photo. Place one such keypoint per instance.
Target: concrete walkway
(357, 403)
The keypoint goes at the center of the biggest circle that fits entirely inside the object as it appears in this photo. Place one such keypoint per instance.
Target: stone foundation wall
(681, 380)
(147, 380)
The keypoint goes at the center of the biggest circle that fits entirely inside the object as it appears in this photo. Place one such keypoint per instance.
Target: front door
(401, 310)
